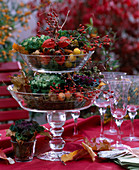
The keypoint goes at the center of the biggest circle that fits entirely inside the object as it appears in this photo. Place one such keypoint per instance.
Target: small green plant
(25, 131)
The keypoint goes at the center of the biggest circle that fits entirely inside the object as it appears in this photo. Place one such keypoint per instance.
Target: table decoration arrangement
(61, 81)
(60, 95)
(23, 138)
(89, 127)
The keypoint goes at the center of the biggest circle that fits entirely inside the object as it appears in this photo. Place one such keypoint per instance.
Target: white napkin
(129, 161)
(128, 158)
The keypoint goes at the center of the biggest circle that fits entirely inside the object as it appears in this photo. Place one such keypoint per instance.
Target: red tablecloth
(90, 128)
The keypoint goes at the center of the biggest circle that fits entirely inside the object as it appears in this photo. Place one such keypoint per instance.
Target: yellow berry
(72, 58)
(68, 64)
(52, 97)
(76, 51)
(81, 54)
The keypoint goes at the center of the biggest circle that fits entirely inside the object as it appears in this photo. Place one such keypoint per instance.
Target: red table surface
(90, 128)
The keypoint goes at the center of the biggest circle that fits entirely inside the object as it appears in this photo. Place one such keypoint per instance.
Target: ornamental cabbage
(34, 43)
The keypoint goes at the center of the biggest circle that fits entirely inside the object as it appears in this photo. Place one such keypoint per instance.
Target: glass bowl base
(100, 139)
(129, 138)
(52, 156)
(119, 146)
(111, 132)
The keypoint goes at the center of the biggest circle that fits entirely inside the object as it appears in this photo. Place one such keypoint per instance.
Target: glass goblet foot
(75, 116)
(52, 155)
(111, 132)
(100, 139)
(118, 146)
(130, 138)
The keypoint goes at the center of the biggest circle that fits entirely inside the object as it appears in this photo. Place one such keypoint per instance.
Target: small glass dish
(56, 63)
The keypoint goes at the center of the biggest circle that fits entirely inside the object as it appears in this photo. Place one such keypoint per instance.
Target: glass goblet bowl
(112, 75)
(56, 63)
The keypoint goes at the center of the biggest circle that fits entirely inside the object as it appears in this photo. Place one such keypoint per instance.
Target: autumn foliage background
(102, 16)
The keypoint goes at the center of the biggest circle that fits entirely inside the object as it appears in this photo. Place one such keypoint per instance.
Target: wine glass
(133, 104)
(107, 77)
(75, 115)
(119, 106)
(102, 101)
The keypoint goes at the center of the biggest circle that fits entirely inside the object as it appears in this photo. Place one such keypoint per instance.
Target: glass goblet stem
(75, 116)
(132, 136)
(75, 127)
(102, 112)
(118, 123)
(132, 116)
(112, 128)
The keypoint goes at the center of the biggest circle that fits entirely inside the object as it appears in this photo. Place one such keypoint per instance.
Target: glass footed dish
(56, 63)
(56, 114)
(41, 102)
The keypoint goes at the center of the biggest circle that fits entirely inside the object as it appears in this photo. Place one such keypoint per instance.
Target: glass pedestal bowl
(56, 63)
(56, 114)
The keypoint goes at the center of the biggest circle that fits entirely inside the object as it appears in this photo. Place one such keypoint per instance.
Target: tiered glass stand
(56, 110)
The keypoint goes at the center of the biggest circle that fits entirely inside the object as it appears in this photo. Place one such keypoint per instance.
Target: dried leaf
(90, 151)
(91, 144)
(21, 83)
(2, 154)
(104, 145)
(70, 156)
(4, 157)
(9, 133)
(81, 154)
(101, 84)
(46, 134)
(19, 48)
(18, 82)
(101, 146)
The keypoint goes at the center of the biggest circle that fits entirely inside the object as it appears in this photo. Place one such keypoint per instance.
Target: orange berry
(79, 96)
(61, 96)
(68, 95)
